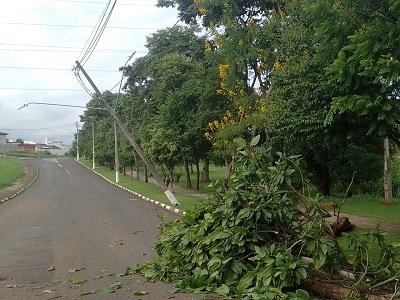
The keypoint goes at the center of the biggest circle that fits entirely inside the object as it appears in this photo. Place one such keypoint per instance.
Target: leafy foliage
(245, 241)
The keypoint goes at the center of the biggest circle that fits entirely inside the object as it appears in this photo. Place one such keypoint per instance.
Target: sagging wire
(96, 34)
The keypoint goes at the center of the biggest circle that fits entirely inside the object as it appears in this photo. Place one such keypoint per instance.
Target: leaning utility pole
(132, 141)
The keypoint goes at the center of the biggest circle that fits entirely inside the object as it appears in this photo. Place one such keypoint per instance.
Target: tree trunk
(334, 291)
(387, 175)
(197, 175)
(228, 171)
(187, 173)
(321, 171)
(205, 174)
(146, 175)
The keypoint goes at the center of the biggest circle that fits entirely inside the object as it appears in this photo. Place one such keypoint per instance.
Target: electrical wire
(63, 47)
(53, 69)
(22, 129)
(94, 31)
(75, 26)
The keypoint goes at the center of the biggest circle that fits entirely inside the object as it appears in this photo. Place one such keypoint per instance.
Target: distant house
(47, 147)
(3, 138)
(5, 145)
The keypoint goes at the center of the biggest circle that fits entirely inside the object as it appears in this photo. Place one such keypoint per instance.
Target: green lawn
(363, 206)
(10, 171)
(373, 207)
(148, 190)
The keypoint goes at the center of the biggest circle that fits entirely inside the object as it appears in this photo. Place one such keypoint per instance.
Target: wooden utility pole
(387, 175)
(131, 140)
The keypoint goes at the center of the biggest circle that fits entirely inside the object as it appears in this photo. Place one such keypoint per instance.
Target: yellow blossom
(250, 24)
(223, 71)
(241, 111)
(277, 65)
(203, 11)
(241, 43)
(208, 136)
(207, 47)
(232, 94)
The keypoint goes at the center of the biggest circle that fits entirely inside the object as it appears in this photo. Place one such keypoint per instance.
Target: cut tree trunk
(334, 291)
(342, 224)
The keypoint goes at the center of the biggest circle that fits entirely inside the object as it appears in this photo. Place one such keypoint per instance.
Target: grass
(371, 207)
(361, 206)
(10, 171)
(30, 154)
(146, 189)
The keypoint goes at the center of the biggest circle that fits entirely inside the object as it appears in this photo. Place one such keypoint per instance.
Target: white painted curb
(175, 210)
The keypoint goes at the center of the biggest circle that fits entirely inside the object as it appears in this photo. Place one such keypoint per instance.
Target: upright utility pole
(77, 142)
(93, 153)
(131, 140)
(116, 154)
(387, 175)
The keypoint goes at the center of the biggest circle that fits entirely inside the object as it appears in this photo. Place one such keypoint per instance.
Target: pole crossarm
(132, 141)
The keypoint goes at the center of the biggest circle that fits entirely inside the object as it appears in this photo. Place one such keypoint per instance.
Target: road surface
(70, 236)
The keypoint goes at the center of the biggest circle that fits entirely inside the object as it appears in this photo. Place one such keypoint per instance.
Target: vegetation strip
(24, 187)
(175, 210)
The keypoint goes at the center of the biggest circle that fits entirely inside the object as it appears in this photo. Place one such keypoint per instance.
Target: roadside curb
(24, 188)
(163, 205)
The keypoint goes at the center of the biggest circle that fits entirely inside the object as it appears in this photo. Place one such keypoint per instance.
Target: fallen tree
(249, 240)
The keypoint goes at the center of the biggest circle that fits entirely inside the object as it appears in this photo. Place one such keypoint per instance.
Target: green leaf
(255, 140)
(222, 290)
(77, 281)
(240, 142)
(139, 293)
(246, 281)
(112, 288)
(52, 268)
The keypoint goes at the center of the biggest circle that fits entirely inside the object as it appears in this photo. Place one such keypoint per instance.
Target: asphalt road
(73, 226)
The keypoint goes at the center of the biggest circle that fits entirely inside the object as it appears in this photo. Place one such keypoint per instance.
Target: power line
(76, 26)
(69, 47)
(38, 89)
(97, 2)
(23, 129)
(53, 69)
(96, 34)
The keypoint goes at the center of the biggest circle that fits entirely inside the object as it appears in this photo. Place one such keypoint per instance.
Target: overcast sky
(40, 40)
